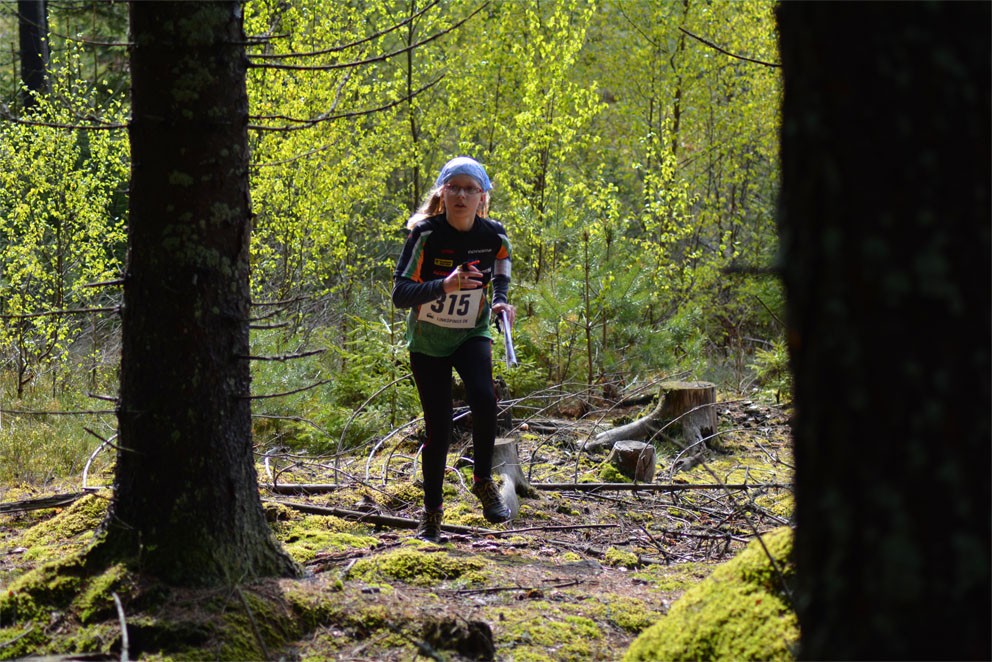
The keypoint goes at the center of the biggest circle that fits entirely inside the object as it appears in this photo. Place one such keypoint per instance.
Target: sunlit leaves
(61, 228)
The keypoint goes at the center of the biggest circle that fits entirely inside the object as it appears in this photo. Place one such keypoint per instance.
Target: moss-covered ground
(577, 576)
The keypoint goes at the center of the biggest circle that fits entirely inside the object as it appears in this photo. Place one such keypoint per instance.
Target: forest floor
(576, 576)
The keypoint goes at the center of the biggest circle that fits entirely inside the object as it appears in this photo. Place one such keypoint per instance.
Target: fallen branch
(54, 501)
(655, 487)
(598, 553)
(324, 488)
(120, 617)
(500, 589)
(302, 488)
(374, 518)
(576, 527)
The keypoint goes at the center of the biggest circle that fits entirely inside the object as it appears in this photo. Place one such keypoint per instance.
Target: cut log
(685, 415)
(506, 462)
(634, 459)
(504, 413)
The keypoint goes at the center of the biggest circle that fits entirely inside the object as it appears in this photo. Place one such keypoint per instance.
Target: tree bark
(506, 461)
(886, 243)
(32, 22)
(186, 497)
(634, 459)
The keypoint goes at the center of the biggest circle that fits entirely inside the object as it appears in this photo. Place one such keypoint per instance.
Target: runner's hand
(463, 278)
(511, 312)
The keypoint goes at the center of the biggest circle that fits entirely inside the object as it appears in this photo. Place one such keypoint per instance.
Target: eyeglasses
(458, 190)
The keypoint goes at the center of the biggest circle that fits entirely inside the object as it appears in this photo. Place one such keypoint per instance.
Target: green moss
(64, 590)
(738, 613)
(92, 639)
(97, 598)
(674, 578)
(779, 503)
(419, 568)
(254, 625)
(73, 527)
(628, 614)
(51, 586)
(22, 640)
(304, 537)
(399, 495)
(571, 637)
(314, 610)
(619, 558)
(368, 620)
(610, 474)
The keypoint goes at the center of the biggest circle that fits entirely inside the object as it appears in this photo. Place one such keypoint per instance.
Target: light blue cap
(463, 165)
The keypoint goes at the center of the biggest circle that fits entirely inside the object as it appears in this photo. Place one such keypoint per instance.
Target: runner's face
(462, 192)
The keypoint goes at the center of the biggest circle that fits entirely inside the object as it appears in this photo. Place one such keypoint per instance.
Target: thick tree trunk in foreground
(886, 242)
(32, 22)
(186, 497)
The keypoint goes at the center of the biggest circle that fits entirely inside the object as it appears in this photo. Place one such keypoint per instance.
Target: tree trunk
(886, 243)
(684, 416)
(186, 496)
(33, 40)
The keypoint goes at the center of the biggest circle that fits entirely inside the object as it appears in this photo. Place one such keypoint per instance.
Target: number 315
(457, 304)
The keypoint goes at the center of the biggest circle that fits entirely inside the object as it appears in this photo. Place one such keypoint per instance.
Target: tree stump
(634, 459)
(689, 408)
(515, 484)
(685, 415)
(504, 413)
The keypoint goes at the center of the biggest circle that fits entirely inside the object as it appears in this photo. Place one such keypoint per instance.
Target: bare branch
(307, 123)
(55, 313)
(343, 47)
(728, 53)
(105, 283)
(284, 357)
(293, 392)
(5, 114)
(371, 60)
(82, 412)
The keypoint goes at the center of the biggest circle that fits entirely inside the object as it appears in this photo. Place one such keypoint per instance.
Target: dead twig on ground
(655, 487)
(375, 518)
(503, 589)
(41, 503)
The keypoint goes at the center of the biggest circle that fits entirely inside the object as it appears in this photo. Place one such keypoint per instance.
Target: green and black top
(439, 322)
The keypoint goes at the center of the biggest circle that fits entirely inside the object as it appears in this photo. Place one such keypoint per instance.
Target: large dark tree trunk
(885, 226)
(186, 498)
(32, 20)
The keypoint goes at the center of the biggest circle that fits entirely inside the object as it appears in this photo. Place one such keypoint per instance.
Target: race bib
(458, 310)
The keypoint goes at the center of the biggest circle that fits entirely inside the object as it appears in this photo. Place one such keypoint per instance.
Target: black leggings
(474, 362)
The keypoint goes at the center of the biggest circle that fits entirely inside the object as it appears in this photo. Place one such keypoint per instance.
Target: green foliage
(37, 448)
(771, 367)
(61, 230)
(363, 387)
(632, 164)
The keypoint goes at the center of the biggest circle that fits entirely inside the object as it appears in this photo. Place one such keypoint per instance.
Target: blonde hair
(434, 205)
